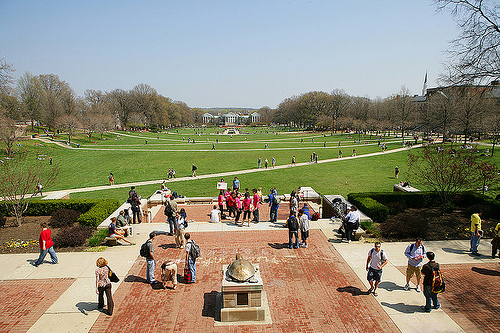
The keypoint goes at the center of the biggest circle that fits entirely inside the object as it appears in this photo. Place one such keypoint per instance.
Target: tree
(32, 96)
(338, 105)
(18, 179)
(6, 77)
(69, 124)
(444, 171)
(475, 53)
(487, 174)
(403, 109)
(9, 133)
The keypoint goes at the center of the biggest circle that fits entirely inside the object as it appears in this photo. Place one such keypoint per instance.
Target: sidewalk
(75, 310)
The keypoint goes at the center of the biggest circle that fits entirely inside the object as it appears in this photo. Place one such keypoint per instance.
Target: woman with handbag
(103, 284)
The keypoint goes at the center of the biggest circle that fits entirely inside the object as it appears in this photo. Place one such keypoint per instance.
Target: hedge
(374, 209)
(92, 211)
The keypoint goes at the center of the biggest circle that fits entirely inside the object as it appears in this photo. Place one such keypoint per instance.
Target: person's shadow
(278, 246)
(401, 307)
(354, 291)
(135, 278)
(485, 271)
(85, 307)
(389, 286)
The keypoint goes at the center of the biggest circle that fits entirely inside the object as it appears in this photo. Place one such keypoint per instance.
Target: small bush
(98, 237)
(396, 207)
(374, 209)
(99, 212)
(72, 237)
(475, 208)
(63, 218)
(3, 220)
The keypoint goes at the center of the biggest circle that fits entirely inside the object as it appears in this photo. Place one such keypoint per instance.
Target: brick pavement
(472, 297)
(306, 289)
(24, 301)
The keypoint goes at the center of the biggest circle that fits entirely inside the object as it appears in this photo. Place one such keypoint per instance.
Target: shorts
(304, 234)
(410, 270)
(374, 274)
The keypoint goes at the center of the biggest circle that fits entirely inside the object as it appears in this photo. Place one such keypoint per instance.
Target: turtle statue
(241, 270)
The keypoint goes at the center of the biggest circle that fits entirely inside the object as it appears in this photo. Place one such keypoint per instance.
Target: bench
(401, 188)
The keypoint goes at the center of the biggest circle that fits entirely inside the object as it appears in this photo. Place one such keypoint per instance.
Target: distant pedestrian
(354, 152)
(415, 253)
(273, 162)
(213, 146)
(266, 162)
(293, 160)
(304, 228)
(39, 188)
(429, 270)
(374, 263)
(256, 204)
(274, 203)
(259, 163)
(324, 144)
(46, 246)
(396, 172)
(293, 231)
(476, 232)
(50, 160)
(236, 184)
(111, 179)
(190, 257)
(103, 285)
(495, 243)
(193, 169)
(340, 153)
(150, 259)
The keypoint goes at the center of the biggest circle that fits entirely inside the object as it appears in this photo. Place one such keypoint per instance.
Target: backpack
(315, 217)
(438, 285)
(293, 224)
(144, 251)
(195, 251)
(382, 260)
(413, 245)
(276, 200)
(168, 209)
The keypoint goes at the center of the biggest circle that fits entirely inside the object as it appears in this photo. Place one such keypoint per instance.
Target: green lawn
(128, 157)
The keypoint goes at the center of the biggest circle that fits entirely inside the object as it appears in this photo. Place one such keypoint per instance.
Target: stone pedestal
(242, 301)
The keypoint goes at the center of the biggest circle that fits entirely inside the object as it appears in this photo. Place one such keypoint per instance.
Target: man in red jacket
(46, 245)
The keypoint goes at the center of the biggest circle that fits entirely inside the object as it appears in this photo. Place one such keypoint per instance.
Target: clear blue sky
(229, 53)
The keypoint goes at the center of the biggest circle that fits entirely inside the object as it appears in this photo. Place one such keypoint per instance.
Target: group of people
(415, 253)
(237, 203)
(266, 162)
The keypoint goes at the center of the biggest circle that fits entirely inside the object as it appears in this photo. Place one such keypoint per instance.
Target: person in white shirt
(214, 215)
(351, 222)
(374, 263)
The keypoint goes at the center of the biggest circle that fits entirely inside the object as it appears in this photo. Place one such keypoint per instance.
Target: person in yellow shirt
(495, 243)
(476, 232)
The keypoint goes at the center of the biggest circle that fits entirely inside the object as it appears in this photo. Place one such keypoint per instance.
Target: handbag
(187, 275)
(112, 276)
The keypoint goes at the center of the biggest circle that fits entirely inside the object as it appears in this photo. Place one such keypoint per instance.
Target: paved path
(330, 300)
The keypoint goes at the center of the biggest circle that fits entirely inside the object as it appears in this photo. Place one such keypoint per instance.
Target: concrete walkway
(76, 309)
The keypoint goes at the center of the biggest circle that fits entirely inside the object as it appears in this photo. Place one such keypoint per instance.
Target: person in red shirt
(256, 200)
(46, 245)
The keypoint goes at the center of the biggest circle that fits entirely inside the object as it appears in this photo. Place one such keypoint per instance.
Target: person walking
(266, 163)
(103, 285)
(396, 172)
(476, 232)
(415, 253)
(428, 270)
(273, 162)
(259, 162)
(193, 169)
(376, 260)
(111, 179)
(190, 258)
(293, 231)
(304, 228)
(351, 223)
(495, 243)
(150, 259)
(46, 246)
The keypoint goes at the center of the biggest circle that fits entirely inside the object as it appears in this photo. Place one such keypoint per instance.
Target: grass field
(130, 159)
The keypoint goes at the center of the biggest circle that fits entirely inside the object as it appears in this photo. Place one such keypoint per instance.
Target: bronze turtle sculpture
(241, 270)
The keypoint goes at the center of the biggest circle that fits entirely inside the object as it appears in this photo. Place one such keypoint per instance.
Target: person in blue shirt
(274, 204)
(236, 184)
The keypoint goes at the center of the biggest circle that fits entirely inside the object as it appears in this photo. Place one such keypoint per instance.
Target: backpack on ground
(144, 251)
(195, 251)
(438, 285)
(315, 217)
(293, 224)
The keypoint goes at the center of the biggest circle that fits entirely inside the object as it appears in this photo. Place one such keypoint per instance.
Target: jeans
(106, 289)
(256, 215)
(291, 234)
(171, 221)
(192, 268)
(150, 271)
(273, 215)
(136, 214)
(429, 295)
(474, 242)
(43, 253)
(349, 228)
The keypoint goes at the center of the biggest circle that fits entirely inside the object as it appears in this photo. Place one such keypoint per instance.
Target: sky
(230, 53)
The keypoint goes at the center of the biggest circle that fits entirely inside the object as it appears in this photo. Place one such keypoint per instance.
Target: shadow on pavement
(485, 271)
(278, 246)
(390, 286)
(354, 291)
(135, 278)
(157, 286)
(456, 251)
(209, 304)
(167, 246)
(404, 308)
(84, 307)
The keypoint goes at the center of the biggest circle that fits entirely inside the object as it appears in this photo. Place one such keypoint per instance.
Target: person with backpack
(376, 260)
(135, 204)
(192, 253)
(170, 212)
(415, 253)
(293, 231)
(180, 229)
(147, 251)
(351, 223)
(274, 203)
(304, 228)
(433, 283)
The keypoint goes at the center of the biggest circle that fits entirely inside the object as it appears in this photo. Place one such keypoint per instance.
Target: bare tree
(476, 52)
(19, 177)
(70, 124)
(9, 133)
(403, 109)
(487, 174)
(32, 96)
(6, 77)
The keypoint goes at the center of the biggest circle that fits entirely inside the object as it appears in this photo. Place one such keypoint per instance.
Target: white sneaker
(418, 289)
(407, 286)
(349, 241)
